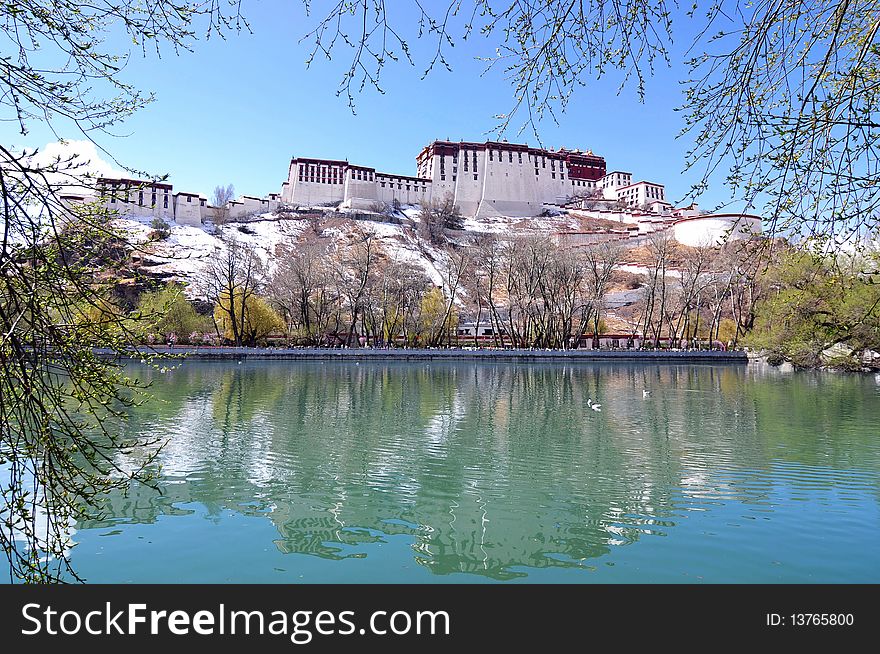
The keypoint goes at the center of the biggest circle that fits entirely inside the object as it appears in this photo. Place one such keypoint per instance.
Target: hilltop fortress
(485, 180)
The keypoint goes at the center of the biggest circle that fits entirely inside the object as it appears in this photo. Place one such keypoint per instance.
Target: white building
(618, 186)
(484, 179)
(642, 194)
(189, 208)
(147, 199)
(249, 205)
(483, 330)
(716, 229)
(614, 180)
(133, 197)
(509, 179)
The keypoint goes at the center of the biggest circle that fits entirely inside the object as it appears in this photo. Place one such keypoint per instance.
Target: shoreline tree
(231, 281)
(599, 261)
(59, 401)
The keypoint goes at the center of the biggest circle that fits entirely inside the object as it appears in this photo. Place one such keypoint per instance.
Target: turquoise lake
(429, 472)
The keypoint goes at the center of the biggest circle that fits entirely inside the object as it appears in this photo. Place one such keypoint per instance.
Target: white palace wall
(716, 229)
(484, 179)
(499, 178)
(188, 209)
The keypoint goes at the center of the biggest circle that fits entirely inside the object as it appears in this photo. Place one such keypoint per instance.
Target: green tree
(818, 312)
(247, 317)
(436, 318)
(58, 454)
(167, 312)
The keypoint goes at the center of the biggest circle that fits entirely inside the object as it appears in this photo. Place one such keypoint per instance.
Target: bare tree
(487, 271)
(230, 279)
(302, 288)
(655, 291)
(746, 263)
(398, 292)
(455, 264)
(599, 261)
(223, 195)
(693, 281)
(437, 216)
(525, 263)
(355, 272)
(569, 284)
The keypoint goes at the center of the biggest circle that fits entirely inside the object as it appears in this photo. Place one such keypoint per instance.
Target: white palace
(494, 178)
(485, 179)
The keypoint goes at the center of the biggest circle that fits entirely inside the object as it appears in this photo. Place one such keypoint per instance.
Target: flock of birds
(598, 407)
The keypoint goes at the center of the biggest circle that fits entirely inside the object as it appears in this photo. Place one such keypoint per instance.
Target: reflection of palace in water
(490, 469)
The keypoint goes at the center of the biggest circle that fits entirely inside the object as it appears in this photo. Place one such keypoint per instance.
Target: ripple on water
(499, 472)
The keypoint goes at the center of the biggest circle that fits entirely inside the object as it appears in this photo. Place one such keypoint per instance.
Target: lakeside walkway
(427, 354)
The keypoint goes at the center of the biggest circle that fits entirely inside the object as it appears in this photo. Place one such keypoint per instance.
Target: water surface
(475, 472)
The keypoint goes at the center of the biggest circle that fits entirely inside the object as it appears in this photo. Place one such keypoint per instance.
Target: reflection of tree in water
(490, 469)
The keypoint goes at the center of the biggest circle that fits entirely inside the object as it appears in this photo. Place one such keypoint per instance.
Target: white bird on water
(594, 407)
(646, 393)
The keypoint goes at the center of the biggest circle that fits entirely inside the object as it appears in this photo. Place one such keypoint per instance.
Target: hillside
(184, 253)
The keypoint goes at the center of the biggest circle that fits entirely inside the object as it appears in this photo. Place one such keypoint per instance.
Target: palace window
(153, 203)
(475, 178)
(166, 201)
(189, 198)
(510, 157)
(141, 198)
(519, 154)
(491, 153)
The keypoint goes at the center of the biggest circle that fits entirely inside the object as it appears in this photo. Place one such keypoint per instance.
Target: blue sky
(236, 110)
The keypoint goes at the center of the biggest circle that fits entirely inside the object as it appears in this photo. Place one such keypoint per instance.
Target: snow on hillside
(186, 251)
